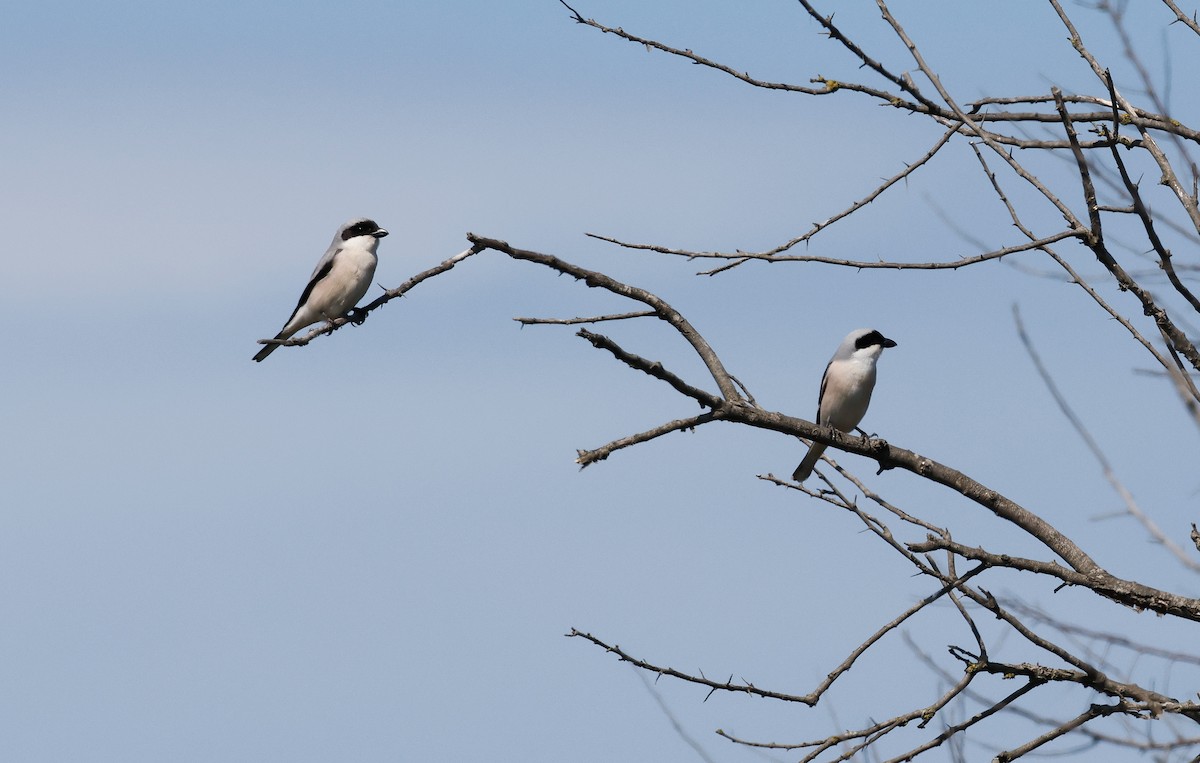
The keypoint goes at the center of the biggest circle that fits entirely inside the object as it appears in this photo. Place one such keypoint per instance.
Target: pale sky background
(369, 549)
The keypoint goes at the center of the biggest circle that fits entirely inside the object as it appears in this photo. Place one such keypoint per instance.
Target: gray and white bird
(339, 281)
(845, 389)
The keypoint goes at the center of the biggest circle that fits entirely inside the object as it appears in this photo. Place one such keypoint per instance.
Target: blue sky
(370, 548)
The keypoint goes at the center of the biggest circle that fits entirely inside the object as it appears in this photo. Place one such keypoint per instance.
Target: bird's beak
(381, 233)
(888, 342)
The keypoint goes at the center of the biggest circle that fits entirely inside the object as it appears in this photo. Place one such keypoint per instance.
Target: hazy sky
(370, 548)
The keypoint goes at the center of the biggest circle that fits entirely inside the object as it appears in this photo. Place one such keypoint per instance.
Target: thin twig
(660, 307)
(727, 685)
(769, 256)
(588, 457)
(574, 321)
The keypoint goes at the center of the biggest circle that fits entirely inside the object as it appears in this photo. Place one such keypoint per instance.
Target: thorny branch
(573, 321)
(1182, 17)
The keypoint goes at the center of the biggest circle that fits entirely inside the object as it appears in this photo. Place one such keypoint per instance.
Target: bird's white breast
(848, 387)
(349, 279)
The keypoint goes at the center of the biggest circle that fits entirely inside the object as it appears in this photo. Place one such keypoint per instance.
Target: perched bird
(339, 281)
(845, 389)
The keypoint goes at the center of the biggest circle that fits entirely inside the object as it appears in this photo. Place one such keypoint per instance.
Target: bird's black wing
(821, 394)
(312, 284)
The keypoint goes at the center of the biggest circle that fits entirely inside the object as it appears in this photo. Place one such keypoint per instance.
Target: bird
(339, 281)
(845, 389)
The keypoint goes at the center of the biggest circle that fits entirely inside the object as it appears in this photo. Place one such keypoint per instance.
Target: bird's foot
(356, 316)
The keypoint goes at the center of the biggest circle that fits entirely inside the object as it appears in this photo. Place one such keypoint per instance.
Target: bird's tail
(804, 470)
(267, 349)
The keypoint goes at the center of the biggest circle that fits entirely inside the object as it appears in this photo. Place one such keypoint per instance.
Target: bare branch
(588, 457)
(1190, 22)
(727, 685)
(599, 280)
(1000, 560)
(651, 367)
(575, 321)
(771, 256)
(834, 33)
(828, 88)
(864, 737)
(1085, 176)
